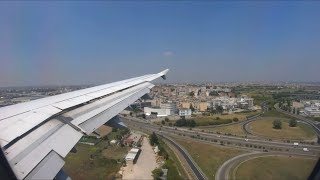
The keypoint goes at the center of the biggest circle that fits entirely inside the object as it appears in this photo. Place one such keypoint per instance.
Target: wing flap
(62, 141)
(15, 126)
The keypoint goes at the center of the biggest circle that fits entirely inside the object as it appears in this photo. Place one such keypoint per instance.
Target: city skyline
(94, 43)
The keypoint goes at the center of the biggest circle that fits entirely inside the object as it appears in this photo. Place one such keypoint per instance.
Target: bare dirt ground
(145, 164)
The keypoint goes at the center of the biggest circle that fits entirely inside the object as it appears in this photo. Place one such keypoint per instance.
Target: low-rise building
(165, 109)
(134, 140)
(186, 112)
(312, 111)
(132, 157)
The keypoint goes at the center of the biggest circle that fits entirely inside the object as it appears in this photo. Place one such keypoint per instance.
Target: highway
(194, 167)
(258, 147)
(237, 142)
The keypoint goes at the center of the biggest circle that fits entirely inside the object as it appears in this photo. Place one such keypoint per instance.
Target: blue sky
(59, 43)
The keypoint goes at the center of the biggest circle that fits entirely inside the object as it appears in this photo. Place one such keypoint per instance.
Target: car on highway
(305, 149)
(246, 140)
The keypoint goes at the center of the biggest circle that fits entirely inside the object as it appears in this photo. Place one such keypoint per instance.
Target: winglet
(163, 73)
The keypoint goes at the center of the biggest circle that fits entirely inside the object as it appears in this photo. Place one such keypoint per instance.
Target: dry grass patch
(264, 127)
(275, 168)
(208, 157)
(235, 129)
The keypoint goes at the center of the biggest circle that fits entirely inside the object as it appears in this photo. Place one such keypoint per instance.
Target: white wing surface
(37, 135)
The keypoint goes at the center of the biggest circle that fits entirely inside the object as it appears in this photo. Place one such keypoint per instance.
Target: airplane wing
(35, 136)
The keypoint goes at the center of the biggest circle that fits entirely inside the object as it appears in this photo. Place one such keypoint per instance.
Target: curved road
(225, 169)
(274, 148)
(315, 125)
(194, 167)
(253, 144)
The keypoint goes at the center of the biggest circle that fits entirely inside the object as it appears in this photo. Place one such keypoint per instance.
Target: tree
(213, 93)
(153, 139)
(277, 124)
(294, 110)
(192, 108)
(219, 109)
(166, 119)
(235, 119)
(293, 123)
(114, 129)
(157, 173)
(192, 123)
(298, 111)
(163, 122)
(191, 94)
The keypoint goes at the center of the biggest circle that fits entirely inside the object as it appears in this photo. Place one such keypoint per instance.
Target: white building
(312, 111)
(165, 109)
(172, 106)
(185, 112)
(157, 112)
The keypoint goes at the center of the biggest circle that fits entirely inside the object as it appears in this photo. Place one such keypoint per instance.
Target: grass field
(240, 116)
(235, 129)
(103, 165)
(274, 113)
(264, 127)
(216, 119)
(208, 157)
(275, 168)
(176, 170)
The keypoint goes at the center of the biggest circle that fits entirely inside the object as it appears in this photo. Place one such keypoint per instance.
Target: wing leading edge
(37, 135)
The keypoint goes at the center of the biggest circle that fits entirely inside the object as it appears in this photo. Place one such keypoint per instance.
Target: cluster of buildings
(311, 108)
(133, 140)
(185, 100)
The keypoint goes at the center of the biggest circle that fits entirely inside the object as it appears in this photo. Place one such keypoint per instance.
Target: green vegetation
(265, 128)
(293, 123)
(153, 139)
(157, 173)
(316, 119)
(276, 168)
(96, 162)
(213, 93)
(277, 124)
(274, 113)
(90, 139)
(171, 162)
(184, 122)
(235, 129)
(208, 157)
(218, 121)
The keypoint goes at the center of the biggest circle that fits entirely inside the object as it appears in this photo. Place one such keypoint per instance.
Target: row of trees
(277, 124)
(184, 122)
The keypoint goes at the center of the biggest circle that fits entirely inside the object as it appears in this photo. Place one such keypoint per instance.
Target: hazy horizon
(58, 43)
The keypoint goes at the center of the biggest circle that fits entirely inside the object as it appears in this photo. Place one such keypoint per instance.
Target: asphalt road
(225, 169)
(194, 167)
(314, 124)
(251, 144)
(272, 148)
